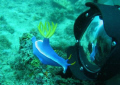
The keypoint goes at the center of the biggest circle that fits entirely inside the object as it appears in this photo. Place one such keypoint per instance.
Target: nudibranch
(43, 50)
(94, 52)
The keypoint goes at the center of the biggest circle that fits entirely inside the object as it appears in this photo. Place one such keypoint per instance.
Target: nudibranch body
(43, 50)
(47, 55)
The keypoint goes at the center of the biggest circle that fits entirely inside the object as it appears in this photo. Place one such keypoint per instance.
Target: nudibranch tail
(65, 66)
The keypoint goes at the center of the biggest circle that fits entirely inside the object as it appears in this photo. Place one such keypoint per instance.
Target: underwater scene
(33, 28)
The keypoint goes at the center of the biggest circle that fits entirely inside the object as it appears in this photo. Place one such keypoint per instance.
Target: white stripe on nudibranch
(36, 45)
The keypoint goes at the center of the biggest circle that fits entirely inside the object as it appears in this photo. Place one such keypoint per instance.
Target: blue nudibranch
(43, 50)
(94, 52)
(47, 55)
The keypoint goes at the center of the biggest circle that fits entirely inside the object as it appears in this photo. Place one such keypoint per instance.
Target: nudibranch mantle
(45, 53)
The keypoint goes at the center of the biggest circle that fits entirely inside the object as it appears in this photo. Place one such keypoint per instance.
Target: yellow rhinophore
(73, 62)
(46, 30)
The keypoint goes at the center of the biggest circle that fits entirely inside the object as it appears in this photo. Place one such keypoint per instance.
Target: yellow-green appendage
(46, 30)
(69, 58)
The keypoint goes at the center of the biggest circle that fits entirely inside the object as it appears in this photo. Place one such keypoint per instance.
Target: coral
(35, 63)
(35, 32)
(47, 30)
(25, 65)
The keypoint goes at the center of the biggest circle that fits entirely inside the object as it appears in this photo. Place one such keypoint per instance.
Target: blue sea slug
(93, 53)
(43, 50)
